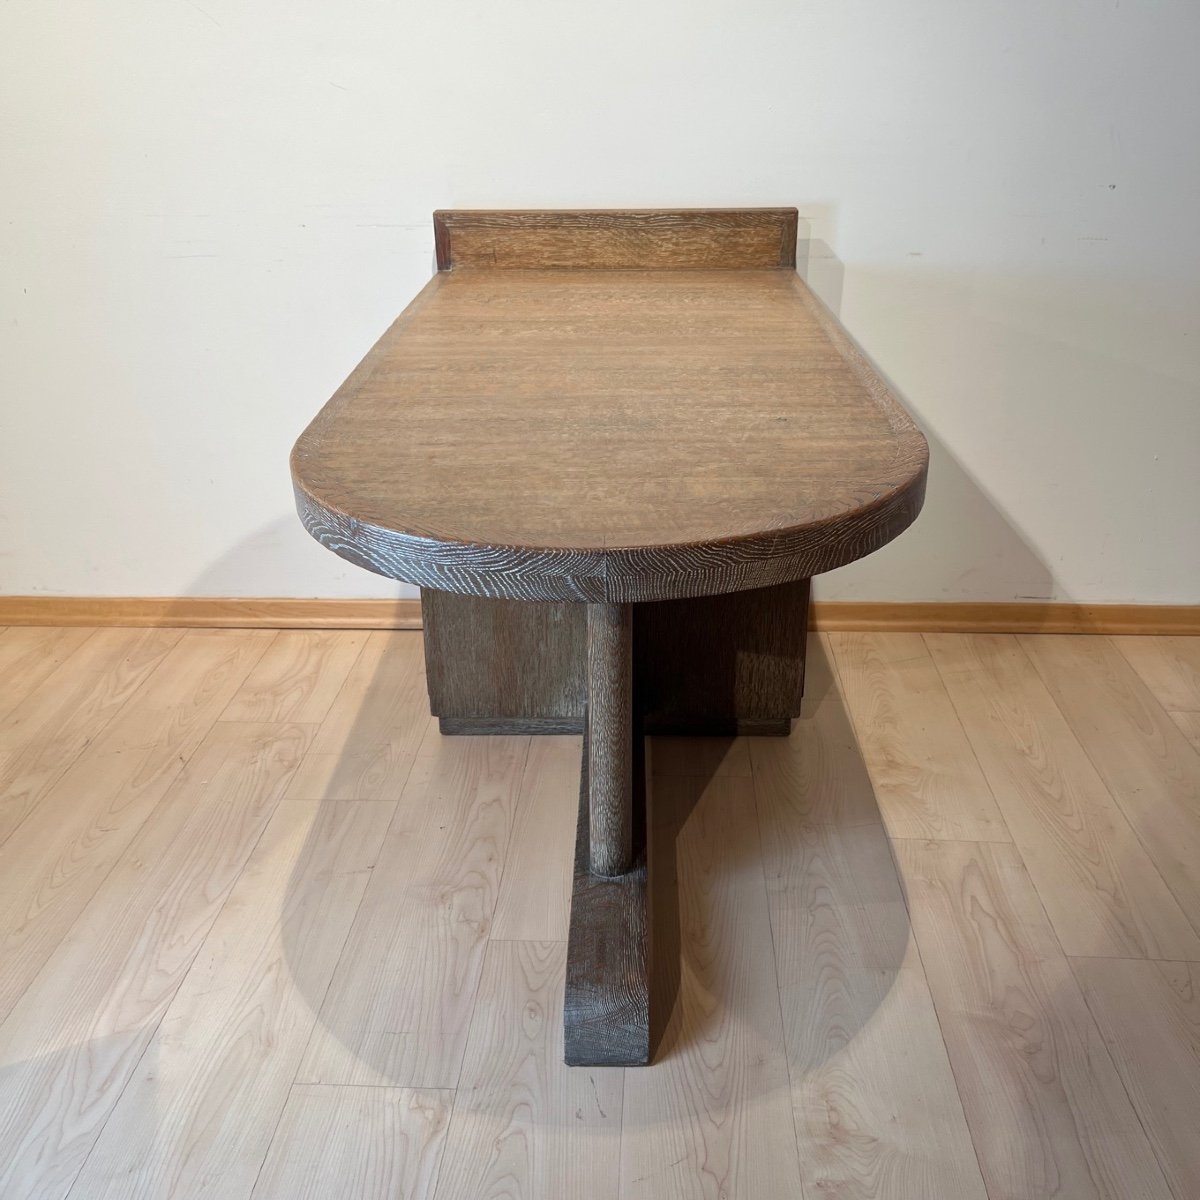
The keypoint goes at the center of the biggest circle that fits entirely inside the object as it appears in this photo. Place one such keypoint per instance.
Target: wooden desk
(612, 448)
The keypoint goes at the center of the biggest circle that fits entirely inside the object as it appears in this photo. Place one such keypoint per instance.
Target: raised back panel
(648, 238)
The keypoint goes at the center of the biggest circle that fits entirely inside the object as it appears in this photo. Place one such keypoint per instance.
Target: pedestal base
(606, 1006)
(717, 665)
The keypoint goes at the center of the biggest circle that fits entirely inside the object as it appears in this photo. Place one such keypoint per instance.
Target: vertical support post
(610, 738)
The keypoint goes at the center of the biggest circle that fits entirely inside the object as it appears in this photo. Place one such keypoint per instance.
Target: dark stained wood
(718, 665)
(547, 726)
(722, 664)
(591, 435)
(608, 239)
(606, 1005)
(610, 730)
(506, 726)
(503, 660)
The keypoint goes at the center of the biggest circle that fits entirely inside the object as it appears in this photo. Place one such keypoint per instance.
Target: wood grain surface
(1031, 1066)
(365, 746)
(28, 656)
(1188, 723)
(78, 1046)
(610, 733)
(398, 1010)
(719, 1060)
(927, 778)
(706, 665)
(525, 1125)
(1101, 890)
(875, 1108)
(606, 1006)
(504, 661)
(722, 664)
(364, 1143)
(241, 1012)
(617, 239)
(58, 856)
(535, 894)
(550, 434)
(1146, 762)
(59, 717)
(298, 678)
(191, 913)
(1169, 666)
(817, 772)
(1149, 1014)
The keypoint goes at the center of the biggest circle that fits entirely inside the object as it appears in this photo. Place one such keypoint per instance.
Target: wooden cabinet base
(715, 666)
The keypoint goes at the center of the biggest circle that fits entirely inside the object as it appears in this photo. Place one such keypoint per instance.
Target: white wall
(209, 209)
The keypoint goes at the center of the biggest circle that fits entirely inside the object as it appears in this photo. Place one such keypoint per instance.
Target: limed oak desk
(612, 448)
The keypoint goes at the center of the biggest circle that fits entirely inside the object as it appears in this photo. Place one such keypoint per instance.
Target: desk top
(581, 432)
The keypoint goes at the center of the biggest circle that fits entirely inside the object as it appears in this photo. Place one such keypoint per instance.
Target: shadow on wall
(963, 545)
(282, 550)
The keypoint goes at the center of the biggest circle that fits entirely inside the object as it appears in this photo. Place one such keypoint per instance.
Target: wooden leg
(607, 1001)
(606, 1005)
(610, 738)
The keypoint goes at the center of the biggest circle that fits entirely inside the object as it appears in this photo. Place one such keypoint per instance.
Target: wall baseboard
(1019, 617)
(212, 612)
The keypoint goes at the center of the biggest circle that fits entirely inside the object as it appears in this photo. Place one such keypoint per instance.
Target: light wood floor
(264, 933)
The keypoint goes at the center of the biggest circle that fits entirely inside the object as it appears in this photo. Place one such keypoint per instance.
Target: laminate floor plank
(1149, 1014)
(876, 1108)
(926, 777)
(535, 891)
(1169, 667)
(41, 737)
(54, 861)
(367, 742)
(1047, 1111)
(726, 757)
(75, 1037)
(1150, 768)
(399, 1008)
(248, 960)
(356, 1143)
(1188, 723)
(524, 1124)
(197, 1118)
(713, 1115)
(817, 774)
(30, 654)
(1102, 893)
(299, 676)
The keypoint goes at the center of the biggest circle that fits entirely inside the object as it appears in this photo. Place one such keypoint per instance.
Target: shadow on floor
(727, 817)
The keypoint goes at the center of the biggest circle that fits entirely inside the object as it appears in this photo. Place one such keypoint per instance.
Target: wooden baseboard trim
(1020, 617)
(213, 612)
